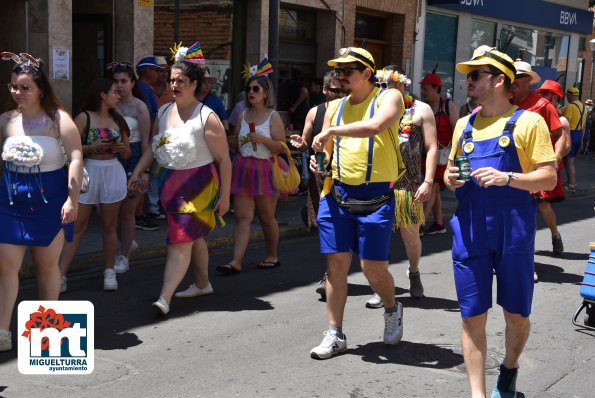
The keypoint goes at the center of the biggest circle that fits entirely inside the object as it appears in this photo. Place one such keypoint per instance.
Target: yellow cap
(354, 54)
(486, 55)
(573, 91)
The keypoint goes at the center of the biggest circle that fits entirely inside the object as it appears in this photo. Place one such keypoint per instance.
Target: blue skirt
(34, 217)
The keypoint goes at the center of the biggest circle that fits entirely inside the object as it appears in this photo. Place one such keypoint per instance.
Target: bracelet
(429, 182)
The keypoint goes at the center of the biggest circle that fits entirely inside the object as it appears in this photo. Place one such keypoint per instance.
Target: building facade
(549, 34)
(75, 39)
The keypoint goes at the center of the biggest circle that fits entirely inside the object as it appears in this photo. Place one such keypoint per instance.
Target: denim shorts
(136, 151)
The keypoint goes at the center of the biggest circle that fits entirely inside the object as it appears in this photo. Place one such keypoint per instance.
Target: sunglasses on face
(346, 70)
(381, 85)
(474, 75)
(23, 88)
(255, 89)
(335, 90)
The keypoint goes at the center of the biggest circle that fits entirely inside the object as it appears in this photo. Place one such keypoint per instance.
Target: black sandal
(227, 269)
(268, 264)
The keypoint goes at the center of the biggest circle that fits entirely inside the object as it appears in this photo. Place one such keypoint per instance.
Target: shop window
(547, 52)
(370, 27)
(297, 25)
(440, 47)
(482, 33)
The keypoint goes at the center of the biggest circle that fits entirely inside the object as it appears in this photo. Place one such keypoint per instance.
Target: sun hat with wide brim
(208, 77)
(524, 68)
(486, 55)
(551, 85)
(354, 54)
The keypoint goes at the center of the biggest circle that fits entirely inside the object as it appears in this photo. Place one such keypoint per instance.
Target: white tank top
(184, 147)
(53, 157)
(134, 129)
(244, 143)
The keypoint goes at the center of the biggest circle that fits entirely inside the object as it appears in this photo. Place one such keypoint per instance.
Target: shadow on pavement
(563, 256)
(553, 274)
(411, 354)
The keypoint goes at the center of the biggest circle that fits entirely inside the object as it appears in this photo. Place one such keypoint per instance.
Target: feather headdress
(389, 75)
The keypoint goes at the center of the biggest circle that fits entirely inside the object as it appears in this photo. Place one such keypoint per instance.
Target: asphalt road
(253, 336)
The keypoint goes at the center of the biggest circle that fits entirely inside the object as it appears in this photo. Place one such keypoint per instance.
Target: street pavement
(252, 337)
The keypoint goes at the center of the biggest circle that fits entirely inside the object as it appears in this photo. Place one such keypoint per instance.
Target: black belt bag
(361, 207)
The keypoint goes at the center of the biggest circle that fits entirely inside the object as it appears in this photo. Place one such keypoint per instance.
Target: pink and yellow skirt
(252, 177)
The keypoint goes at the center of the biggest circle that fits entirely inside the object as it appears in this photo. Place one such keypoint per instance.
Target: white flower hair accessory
(389, 75)
(191, 54)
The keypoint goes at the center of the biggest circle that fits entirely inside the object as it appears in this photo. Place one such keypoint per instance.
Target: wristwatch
(511, 177)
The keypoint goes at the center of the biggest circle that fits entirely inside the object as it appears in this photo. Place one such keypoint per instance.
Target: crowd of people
(378, 160)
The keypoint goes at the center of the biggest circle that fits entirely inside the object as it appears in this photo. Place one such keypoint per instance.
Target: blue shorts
(496, 240)
(576, 140)
(136, 151)
(368, 236)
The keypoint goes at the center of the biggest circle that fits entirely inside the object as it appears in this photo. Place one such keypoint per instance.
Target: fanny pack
(358, 206)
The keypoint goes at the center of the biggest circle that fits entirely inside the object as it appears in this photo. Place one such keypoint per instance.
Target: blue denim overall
(493, 229)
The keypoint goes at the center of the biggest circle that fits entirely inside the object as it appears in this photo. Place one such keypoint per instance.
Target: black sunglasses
(474, 75)
(335, 90)
(255, 88)
(381, 85)
(346, 70)
(118, 65)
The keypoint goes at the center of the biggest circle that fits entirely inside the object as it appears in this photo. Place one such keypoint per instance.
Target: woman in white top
(38, 197)
(252, 176)
(135, 112)
(190, 140)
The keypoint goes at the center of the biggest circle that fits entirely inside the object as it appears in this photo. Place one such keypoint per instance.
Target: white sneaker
(330, 345)
(63, 285)
(121, 265)
(133, 247)
(195, 291)
(375, 302)
(393, 326)
(109, 280)
(161, 305)
(5, 340)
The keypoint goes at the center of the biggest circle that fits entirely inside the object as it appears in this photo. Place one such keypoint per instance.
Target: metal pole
(274, 41)
(176, 20)
(591, 80)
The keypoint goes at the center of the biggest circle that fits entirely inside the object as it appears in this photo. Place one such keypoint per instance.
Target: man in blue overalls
(511, 155)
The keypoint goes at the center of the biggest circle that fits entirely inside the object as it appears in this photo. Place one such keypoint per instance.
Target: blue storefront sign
(533, 12)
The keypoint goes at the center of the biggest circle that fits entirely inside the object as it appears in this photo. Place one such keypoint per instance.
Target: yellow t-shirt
(573, 114)
(387, 164)
(531, 136)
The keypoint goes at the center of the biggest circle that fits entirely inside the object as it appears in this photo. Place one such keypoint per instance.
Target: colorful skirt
(35, 216)
(189, 198)
(407, 211)
(252, 177)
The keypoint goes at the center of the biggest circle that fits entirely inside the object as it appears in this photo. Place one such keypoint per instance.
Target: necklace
(34, 124)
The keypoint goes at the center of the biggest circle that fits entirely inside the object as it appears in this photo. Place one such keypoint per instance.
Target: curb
(84, 262)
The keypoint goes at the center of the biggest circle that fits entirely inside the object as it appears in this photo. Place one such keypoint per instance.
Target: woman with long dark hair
(134, 110)
(104, 134)
(190, 146)
(39, 197)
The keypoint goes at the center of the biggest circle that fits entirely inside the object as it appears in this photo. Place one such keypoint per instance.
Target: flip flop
(227, 269)
(268, 264)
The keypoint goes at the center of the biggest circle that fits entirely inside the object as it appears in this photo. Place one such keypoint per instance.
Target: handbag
(286, 181)
(85, 177)
(443, 154)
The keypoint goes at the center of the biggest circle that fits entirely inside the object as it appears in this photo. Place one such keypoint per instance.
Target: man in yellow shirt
(356, 213)
(510, 155)
(576, 113)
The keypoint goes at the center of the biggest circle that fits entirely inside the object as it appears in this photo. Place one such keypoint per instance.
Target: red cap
(553, 86)
(433, 79)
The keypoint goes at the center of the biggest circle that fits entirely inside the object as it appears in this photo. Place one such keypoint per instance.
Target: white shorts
(107, 182)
